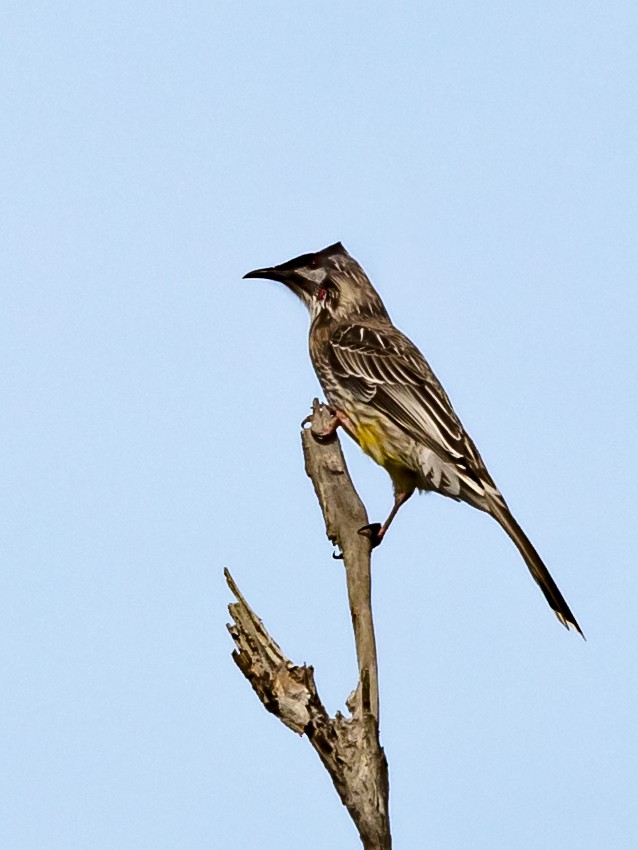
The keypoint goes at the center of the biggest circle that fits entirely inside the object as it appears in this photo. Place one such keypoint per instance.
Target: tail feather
(537, 568)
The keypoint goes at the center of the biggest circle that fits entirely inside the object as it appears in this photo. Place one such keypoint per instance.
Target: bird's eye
(314, 263)
(322, 294)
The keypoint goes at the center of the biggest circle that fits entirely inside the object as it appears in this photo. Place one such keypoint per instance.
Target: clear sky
(480, 160)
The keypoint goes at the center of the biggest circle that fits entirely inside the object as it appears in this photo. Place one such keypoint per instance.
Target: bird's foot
(374, 532)
(328, 434)
(325, 436)
(338, 419)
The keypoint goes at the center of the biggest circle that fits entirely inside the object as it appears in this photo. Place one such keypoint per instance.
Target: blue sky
(480, 160)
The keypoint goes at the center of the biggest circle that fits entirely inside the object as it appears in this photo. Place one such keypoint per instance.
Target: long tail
(537, 568)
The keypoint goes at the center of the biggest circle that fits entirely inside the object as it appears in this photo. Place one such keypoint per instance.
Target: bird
(383, 393)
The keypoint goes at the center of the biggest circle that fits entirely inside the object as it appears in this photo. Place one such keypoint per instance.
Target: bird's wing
(382, 367)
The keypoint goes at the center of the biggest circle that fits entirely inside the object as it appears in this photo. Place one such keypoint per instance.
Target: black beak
(268, 274)
(290, 275)
(273, 273)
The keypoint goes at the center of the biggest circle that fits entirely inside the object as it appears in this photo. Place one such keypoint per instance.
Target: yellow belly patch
(373, 442)
(378, 444)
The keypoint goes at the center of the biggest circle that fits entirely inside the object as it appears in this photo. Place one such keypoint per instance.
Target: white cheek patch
(317, 276)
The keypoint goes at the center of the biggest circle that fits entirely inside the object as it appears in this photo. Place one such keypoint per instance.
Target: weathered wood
(349, 747)
(345, 514)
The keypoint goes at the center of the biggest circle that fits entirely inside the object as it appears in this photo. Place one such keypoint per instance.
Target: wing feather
(383, 366)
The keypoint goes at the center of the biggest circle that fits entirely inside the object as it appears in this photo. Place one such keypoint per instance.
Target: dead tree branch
(348, 747)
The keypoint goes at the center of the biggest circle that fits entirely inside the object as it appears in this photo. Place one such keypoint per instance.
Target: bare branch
(348, 747)
(345, 514)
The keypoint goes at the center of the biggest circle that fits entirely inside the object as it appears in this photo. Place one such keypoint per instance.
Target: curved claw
(337, 556)
(372, 531)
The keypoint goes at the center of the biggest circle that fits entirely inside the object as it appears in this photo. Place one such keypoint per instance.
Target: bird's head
(328, 280)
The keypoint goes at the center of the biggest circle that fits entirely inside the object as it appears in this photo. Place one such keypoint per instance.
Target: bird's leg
(375, 531)
(338, 419)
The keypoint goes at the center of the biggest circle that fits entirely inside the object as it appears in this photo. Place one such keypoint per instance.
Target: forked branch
(348, 746)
